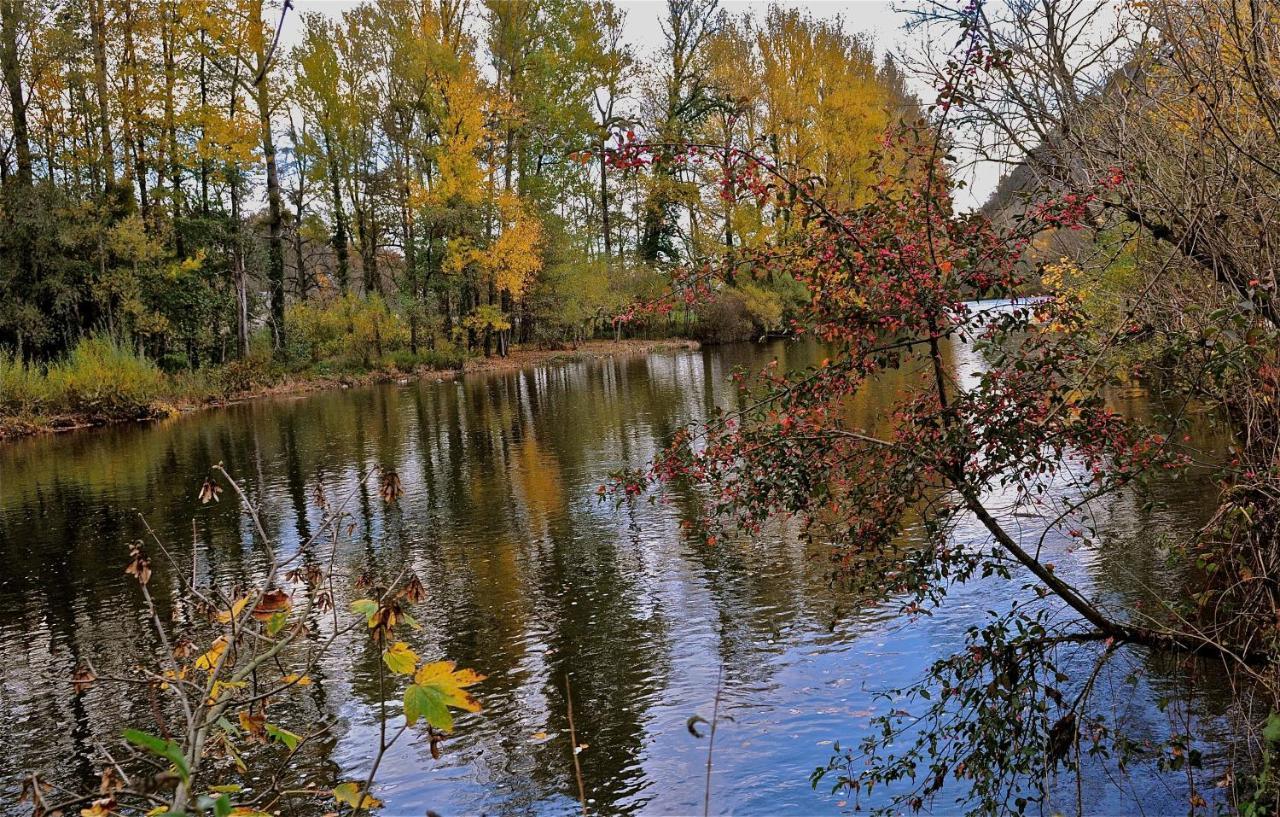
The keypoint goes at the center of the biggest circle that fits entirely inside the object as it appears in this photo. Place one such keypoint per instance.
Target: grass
(103, 380)
(100, 377)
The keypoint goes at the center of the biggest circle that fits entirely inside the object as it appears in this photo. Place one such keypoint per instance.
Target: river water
(530, 578)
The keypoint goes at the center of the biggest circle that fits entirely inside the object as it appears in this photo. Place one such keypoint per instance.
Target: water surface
(531, 579)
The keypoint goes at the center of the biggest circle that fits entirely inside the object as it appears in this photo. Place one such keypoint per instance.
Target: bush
(725, 319)
(104, 378)
(446, 356)
(348, 330)
(22, 390)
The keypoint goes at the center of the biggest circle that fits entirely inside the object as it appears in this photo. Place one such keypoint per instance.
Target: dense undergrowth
(104, 379)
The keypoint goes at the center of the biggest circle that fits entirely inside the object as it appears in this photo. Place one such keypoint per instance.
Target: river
(530, 577)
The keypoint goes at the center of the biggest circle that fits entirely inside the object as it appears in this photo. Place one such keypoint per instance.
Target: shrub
(104, 378)
(724, 319)
(21, 388)
(350, 329)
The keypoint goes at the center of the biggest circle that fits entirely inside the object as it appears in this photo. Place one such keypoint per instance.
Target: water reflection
(530, 579)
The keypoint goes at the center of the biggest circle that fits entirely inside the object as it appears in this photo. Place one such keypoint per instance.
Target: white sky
(875, 17)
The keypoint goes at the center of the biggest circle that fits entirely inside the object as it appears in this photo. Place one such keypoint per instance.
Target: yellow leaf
(441, 676)
(400, 659)
(349, 793)
(225, 617)
(100, 808)
(210, 659)
(220, 687)
(181, 675)
(296, 680)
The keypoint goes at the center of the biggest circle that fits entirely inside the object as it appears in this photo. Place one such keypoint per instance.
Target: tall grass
(100, 377)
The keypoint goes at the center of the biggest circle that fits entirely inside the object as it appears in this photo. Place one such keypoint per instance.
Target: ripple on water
(531, 579)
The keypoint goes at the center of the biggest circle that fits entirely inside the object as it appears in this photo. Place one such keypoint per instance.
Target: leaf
(276, 623)
(436, 687)
(228, 788)
(102, 807)
(272, 603)
(366, 608)
(220, 687)
(225, 616)
(166, 749)
(222, 806)
(294, 679)
(254, 725)
(209, 660)
(400, 659)
(284, 736)
(349, 793)
(139, 566)
(426, 702)
(1271, 732)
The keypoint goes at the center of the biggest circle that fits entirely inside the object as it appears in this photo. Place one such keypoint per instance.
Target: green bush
(22, 389)
(348, 330)
(446, 356)
(104, 378)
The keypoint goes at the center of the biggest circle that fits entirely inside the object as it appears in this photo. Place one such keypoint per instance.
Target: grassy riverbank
(102, 382)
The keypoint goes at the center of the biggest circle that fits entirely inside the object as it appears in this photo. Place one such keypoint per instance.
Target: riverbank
(181, 398)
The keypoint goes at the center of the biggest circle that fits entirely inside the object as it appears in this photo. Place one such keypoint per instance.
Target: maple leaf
(400, 659)
(436, 687)
(350, 794)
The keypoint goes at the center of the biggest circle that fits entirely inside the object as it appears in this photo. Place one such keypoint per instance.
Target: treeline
(410, 176)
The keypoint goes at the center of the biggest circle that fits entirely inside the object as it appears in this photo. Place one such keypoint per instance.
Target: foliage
(100, 377)
(222, 675)
(889, 287)
(445, 161)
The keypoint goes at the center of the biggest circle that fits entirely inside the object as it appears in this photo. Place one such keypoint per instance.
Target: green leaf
(365, 607)
(229, 788)
(1271, 731)
(222, 806)
(427, 702)
(276, 623)
(284, 736)
(166, 749)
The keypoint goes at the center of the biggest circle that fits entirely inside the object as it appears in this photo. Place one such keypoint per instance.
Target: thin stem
(573, 745)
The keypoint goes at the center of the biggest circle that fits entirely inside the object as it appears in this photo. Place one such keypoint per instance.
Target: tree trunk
(275, 216)
(169, 40)
(131, 118)
(98, 24)
(13, 85)
(339, 217)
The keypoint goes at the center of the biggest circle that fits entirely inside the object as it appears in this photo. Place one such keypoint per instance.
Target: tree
(678, 99)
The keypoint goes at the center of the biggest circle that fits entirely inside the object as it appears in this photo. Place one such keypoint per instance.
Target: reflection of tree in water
(501, 523)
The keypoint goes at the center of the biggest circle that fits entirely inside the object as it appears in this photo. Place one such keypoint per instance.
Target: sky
(881, 19)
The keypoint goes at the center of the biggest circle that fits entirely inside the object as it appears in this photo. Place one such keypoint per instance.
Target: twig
(711, 744)
(573, 745)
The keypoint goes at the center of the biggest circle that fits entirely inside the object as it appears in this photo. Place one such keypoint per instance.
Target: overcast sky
(875, 17)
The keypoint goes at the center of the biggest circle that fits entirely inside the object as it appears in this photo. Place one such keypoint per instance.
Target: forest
(408, 184)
